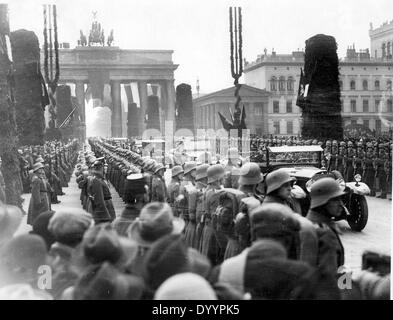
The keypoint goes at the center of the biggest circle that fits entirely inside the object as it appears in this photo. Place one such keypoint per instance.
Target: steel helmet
(276, 179)
(323, 190)
(176, 170)
(250, 173)
(201, 171)
(215, 173)
(189, 166)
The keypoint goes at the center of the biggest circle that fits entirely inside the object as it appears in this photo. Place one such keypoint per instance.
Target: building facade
(382, 41)
(255, 103)
(366, 89)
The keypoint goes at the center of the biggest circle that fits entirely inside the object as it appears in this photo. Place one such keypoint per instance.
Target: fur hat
(68, 227)
(40, 227)
(155, 221)
(105, 282)
(167, 257)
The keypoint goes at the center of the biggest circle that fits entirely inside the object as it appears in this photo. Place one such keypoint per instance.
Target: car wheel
(358, 217)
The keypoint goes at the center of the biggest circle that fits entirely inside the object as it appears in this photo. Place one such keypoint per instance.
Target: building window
(353, 85)
(378, 125)
(366, 123)
(289, 127)
(290, 84)
(353, 105)
(389, 106)
(377, 102)
(289, 106)
(341, 84)
(365, 85)
(281, 84)
(259, 109)
(365, 105)
(276, 106)
(376, 84)
(276, 126)
(389, 85)
(273, 84)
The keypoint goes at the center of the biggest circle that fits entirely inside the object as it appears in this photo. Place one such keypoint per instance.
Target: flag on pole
(302, 91)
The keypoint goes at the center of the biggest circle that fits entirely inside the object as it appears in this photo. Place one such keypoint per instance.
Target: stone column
(116, 109)
(142, 89)
(80, 96)
(171, 100)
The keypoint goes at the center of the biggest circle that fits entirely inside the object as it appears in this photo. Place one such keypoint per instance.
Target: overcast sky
(198, 31)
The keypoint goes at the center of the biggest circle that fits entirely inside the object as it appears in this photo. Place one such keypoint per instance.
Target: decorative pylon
(51, 62)
(235, 30)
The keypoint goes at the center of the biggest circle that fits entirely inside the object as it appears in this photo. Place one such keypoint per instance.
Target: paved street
(376, 235)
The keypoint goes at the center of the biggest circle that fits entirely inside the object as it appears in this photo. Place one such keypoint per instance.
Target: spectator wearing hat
(40, 193)
(326, 204)
(197, 197)
(155, 221)
(232, 270)
(277, 222)
(99, 194)
(174, 187)
(136, 196)
(209, 246)
(40, 228)
(106, 282)
(167, 257)
(158, 190)
(67, 228)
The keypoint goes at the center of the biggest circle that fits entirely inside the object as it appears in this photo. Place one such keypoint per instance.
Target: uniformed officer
(368, 168)
(340, 163)
(349, 163)
(174, 187)
(196, 200)
(248, 199)
(102, 208)
(159, 190)
(40, 193)
(209, 247)
(326, 204)
(381, 174)
(359, 159)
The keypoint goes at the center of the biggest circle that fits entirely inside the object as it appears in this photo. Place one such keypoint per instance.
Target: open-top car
(305, 163)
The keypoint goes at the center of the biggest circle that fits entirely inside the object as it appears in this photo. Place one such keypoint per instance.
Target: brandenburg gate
(97, 66)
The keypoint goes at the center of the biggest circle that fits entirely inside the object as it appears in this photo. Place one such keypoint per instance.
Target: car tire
(359, 213)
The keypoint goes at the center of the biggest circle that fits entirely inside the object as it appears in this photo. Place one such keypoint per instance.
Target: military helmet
(176, 170)
(323, 190)
(215, 173)
(328, 143)
(275, 179)
(250, 173)
(201, 171)
(189, 166)
(350, 144)
(343, 144)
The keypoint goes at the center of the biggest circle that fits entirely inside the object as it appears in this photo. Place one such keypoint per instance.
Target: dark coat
(331, 249)
(99, 194)
(127, 217)
(40, 198)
